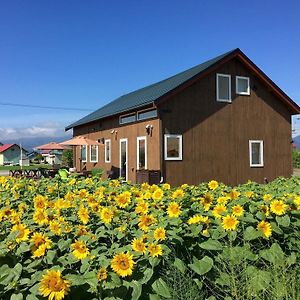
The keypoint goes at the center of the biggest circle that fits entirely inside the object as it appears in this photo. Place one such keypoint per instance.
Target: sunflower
(138, 245)
(249, 194)
(213, 184)
(278, 207)
(83, 214)
(218, 211)
(122, 264)
(237, 211)
(102, 274)
(158, 194)
(145, 221)
(160, 234)
(196, 219)
(179, 193)
(106, 215)
(55, 227)
(166, 186)
(141, 207)
(155, 250)
(267, 197)
(40, 243)
(229, 222)
(234, 194)
(297, 201)
(40, 202)
(266, 228)
(174, 210)
(80, 250)
(23, 232)
(223, 200)
(124, 199)
(83, 193)
(206, 201)
(265, 209)
(53, 286)
(40, 217)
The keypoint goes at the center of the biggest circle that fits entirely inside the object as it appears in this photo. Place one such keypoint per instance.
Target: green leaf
(154, 261)
(202, 266)
(16, 297)
(211, 245)
(224, 279)
(251, 233)
(75, 279)
(259, 280)
(154, 297)
(283, 221)
(23, 248)
(50, 256)
(179, 264)
(274, 255)
(147, 276)
(64, 244)
(85, 264)
(137, 290)
(161, 288)
(31, 297)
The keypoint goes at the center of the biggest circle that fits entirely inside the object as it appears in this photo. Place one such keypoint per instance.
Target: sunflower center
(124, 265)
(55, 284)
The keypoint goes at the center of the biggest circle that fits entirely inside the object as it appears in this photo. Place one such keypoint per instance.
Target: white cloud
(50, 129)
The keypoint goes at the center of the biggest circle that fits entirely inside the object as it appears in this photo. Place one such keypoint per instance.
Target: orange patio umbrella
(51, 146)
(80, 141)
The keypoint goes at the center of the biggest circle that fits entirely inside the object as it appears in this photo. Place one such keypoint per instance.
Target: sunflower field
(92, 239)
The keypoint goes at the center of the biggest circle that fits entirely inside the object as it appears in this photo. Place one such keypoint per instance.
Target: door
(123, 159)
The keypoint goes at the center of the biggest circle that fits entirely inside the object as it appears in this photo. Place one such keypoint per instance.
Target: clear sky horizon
(83, 54)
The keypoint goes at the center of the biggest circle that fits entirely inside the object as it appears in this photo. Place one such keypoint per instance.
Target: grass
(35, 166)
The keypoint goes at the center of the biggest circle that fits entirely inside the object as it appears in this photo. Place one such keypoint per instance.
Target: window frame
(217, 88)
(97, 149)
(236, 85)
(261, 153)
(127, 115)
(179, 136)
(108, 141)
(145, 111)
(86, 153)
(141, 138)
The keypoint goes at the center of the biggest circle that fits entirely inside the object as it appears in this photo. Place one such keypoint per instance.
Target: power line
(44, 107)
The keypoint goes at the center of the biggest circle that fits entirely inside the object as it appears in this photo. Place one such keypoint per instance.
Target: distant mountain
(296, 140)
(32, 142)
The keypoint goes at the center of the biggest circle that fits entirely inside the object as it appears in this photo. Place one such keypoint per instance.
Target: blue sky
(83, 54)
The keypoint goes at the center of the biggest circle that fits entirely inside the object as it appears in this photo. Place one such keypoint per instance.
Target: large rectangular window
(94, 153)
(83, 153)
(256, 153)
(127, 118)
(141, 153)
(242, 85)
(173, 147)
(223, 87)
(107, 151)
(147, 114)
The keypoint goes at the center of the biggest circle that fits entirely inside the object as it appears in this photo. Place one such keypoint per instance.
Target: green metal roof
(146, 95)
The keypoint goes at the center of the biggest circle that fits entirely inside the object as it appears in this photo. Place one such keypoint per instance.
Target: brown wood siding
(216, 134)
(102, 130)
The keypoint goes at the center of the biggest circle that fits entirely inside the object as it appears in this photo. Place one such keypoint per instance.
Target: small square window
(223, 87)
(173, 147)
(242, 85)
(256, 153)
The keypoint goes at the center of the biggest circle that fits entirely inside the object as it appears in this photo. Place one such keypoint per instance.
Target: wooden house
(223, 119)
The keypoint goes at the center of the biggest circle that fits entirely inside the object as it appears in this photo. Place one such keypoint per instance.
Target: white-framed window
(256, 153)
(107, 151)
(141, 153)
(173, 147)
(242, 85)
(223, 87)
(93, 153)
(83, 153)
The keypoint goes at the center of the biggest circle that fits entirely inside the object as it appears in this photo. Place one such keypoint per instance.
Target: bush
(296, 159)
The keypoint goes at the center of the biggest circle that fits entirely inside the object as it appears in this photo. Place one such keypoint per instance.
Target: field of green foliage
(93, 239)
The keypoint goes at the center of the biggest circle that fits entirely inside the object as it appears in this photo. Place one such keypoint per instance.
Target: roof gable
(5, 147)
(163, 89)
(146, 95)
